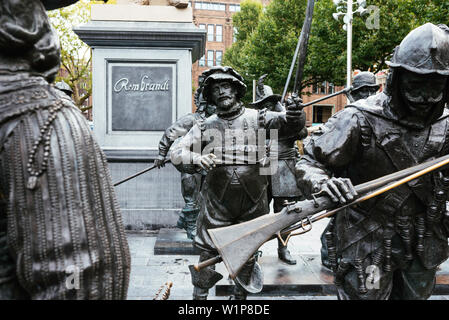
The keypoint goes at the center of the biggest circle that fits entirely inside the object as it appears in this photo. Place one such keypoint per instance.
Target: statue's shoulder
(373, 105)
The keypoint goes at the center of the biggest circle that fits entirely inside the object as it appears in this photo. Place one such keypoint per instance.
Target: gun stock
(237, 243)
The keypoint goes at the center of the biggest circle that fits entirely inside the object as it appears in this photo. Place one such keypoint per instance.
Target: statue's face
(421, 93)
(223, 95)
(363, 92)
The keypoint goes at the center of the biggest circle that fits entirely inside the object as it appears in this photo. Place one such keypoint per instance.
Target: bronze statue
(363, 85)
(388, 247)
(190, 182)
(61, 230)
(228, 147)
(282, 184)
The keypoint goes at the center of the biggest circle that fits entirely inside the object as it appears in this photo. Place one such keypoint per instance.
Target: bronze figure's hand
(208, 161)
(338, 189)
(159, 162)
(295, 116)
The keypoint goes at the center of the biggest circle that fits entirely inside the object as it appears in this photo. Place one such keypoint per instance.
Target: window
(210, 6)
(219, 33)
(210, 58)
(234, 35)
(331, 89)
(202, 26)
(234, 7)
(321, 113)
(323, 88)
(210, 32)
(218, 57)
(202, 61)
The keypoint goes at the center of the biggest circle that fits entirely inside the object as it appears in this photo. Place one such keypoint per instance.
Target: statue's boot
(284, 254)
(181, 223)
(190, 223)
(199, 293)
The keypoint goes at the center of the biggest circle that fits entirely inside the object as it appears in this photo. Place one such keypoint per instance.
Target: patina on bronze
(234, 190)
(403, 233)
(363, 85)
(61, 230)
(190, 182)
(282, 184)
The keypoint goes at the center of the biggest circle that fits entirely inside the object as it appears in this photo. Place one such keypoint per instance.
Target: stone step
(173, 242)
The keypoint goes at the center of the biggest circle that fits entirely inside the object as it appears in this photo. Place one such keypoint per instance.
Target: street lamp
(347, 19)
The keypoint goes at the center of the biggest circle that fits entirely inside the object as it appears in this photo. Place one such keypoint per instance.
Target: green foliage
(271, 45)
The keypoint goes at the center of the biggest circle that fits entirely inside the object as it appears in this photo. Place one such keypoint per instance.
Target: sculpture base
(174, 242)
(307, 278)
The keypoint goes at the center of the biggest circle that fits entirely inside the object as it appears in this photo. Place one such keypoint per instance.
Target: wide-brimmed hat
(223, 74)
(264, 94)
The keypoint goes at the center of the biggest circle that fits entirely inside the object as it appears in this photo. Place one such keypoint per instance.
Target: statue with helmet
(364, 85)
(282, 184)
(388, 247)
(190, 182)
(61, 230)
(229, 147)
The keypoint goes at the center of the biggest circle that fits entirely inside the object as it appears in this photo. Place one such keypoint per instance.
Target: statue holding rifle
(229, 147)
(388, 247)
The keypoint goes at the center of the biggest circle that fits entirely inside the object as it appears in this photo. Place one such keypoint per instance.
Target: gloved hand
(295, 115)
(160, 161)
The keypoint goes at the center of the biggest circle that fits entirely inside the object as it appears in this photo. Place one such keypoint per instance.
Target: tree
(271, 45)
(76, 58)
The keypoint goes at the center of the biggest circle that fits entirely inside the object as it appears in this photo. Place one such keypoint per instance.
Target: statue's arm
(186, 152)
(178, 129)
(328, 151)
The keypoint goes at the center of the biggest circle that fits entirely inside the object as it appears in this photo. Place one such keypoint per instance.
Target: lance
(139, 173)
(301, 50)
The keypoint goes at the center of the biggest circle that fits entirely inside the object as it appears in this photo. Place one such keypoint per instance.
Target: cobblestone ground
(149, 272)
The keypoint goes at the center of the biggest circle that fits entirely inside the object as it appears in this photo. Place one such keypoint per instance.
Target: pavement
(150, 272)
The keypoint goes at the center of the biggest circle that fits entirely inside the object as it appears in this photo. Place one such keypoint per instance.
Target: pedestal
(142, 58)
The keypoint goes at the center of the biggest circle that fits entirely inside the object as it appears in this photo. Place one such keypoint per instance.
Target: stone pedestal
(142, 59)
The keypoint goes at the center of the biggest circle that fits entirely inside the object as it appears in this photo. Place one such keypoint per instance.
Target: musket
(237, 243)
(345, 91)
(301, 49)
(139, 173)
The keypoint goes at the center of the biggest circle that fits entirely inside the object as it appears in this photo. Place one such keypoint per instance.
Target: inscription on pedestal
(141, 97)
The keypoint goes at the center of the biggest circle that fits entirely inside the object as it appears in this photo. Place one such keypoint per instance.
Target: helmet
(264, 94)
(222, 74)
(424, 50)
(364, 79)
